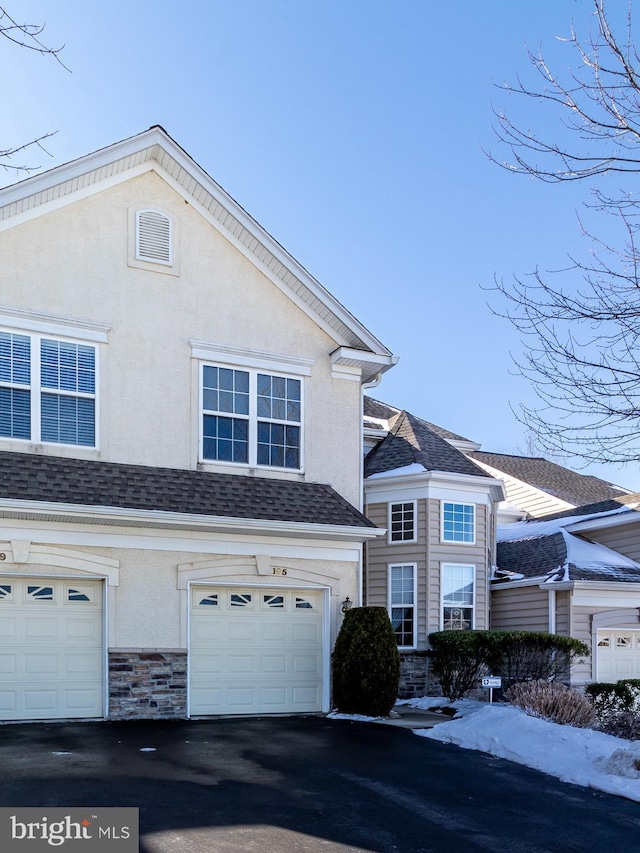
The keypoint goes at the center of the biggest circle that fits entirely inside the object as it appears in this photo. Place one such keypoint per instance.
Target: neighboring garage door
(255, 651)
(618, 655)
(51, 649)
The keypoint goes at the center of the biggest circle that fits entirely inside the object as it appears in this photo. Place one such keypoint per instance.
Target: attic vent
(153, 237)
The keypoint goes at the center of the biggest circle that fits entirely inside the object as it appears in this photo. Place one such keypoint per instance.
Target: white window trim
(251, 418)
(390, 604)
(475, 522)
(36, 390)
(472, 566)
(254, 359)
(415, 523)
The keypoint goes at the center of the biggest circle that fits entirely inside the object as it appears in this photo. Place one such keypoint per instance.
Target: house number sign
(278, 570)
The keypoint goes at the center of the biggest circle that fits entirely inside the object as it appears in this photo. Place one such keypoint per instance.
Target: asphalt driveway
(287, 785)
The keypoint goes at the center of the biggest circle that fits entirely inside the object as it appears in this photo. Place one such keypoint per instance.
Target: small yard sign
(491, 681)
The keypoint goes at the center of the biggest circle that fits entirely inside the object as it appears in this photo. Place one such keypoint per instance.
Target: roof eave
(49, 511)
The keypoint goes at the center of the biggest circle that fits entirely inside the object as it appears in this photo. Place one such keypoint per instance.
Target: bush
(458, 660)
(552, 701)
(614, 700)
(366, 663)
(532, 656)
(624, 724)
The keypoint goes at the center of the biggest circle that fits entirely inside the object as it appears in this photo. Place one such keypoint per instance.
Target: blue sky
(352, 130)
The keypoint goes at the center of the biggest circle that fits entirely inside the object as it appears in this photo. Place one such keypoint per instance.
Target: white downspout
(552, 611)
(365, 386)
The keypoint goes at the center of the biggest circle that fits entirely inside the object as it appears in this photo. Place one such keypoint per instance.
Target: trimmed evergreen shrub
(458, 660)
(366, 663)
(613, 699)
(624, 724)
(532, 655)
(555, 702)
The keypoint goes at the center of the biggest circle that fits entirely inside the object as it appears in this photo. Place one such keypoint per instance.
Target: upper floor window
(458, 522)
(402, 522)
(402, 603)
(250, 417)
(47, 389)
(458, 596)
(153, 237)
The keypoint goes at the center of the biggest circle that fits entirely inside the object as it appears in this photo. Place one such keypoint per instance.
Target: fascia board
(152, 140)
(614, 586)
(106, 515)
(618, 520)
(497, 584)
(436, 478)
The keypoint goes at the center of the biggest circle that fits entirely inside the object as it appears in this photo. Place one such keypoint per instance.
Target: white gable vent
(153, 237)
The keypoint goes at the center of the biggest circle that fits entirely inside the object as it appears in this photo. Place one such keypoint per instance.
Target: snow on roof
(534, 529)
(414, 468)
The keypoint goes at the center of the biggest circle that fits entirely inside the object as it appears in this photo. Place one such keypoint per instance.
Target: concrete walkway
(413, 718)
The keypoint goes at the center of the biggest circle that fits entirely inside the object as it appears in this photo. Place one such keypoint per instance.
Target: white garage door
(618, 655)
(51, 649)
(255, 651)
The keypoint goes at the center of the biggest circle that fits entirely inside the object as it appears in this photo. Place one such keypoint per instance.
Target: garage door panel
(41, 629)
(267, 656)
(54, 668)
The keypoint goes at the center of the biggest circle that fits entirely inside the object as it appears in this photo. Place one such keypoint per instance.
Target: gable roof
(154, 150)
(80, 484)
(554, 479)
(409, 442)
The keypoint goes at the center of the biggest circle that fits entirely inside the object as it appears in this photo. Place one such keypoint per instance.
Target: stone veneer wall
(147, 683)
(415, 676)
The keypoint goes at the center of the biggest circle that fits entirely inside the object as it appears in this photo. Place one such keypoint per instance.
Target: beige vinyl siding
(624, 539)
(381, 554)
(581, 673)
(456, 552)
(563, 615)
(527, 498)
(524, 608)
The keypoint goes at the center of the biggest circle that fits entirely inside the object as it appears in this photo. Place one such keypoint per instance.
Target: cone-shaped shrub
(366, 663)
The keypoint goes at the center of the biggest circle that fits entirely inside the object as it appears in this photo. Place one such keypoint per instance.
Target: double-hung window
(458, 596)
(47, 389)
(251, 417)
(402, 521)
(402, 603)
(458, 522)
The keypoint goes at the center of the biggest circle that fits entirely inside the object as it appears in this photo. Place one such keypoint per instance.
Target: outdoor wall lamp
(347, 604)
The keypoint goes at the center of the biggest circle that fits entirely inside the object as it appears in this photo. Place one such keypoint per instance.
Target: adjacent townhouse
(180, 522)
(493, 540)
(433, 569)
(576, 573)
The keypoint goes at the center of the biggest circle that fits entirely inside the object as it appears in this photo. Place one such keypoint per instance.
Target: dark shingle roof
(29, 477)
(532, 558)
(376, 409)
(576, 489)
(411, 441)
(546, 555)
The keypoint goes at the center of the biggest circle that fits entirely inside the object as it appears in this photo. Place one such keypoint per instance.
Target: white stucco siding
(147, 605)
(74, 263)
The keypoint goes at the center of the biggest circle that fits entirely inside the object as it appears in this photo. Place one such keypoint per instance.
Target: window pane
(225, 439)
(15, 358)
(68, 420)
(15, 413)
(458, 522)
(278, 445)
(67, 367)
(225, 390)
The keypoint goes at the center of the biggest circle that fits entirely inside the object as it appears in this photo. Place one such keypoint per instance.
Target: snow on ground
(582, 756)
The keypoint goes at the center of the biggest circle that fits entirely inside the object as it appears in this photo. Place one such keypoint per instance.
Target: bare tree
(26, 36)
(581, 326)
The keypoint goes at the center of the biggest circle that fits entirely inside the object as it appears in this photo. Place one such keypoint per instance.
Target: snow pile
(581, 756)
